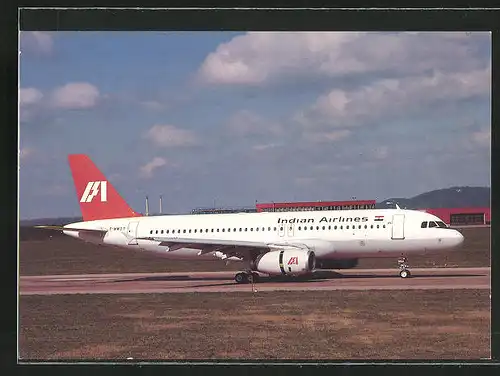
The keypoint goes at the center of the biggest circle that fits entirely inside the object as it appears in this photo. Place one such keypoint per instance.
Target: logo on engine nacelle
(293, 261)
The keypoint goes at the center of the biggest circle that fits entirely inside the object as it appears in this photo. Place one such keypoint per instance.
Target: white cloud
(147, 170)
(304, 180)
(322, 137)
(246, 123)
(393, 97)
(29, 96)
(153, 105)
(37, 41)
(75, 95)
(381, 152)
(266, 146)
(260, 57)
(25, 153)
(170, 136)
(482, 138)
(115, 177)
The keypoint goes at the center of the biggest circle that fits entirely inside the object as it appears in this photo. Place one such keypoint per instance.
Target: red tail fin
(98, 198)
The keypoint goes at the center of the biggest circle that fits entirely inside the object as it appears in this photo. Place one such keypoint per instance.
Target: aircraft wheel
(241, 278)
(405, 273)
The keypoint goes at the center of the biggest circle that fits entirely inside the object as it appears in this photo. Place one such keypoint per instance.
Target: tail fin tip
(97, 197)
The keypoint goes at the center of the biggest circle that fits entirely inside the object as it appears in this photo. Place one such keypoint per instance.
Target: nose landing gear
(404, 271)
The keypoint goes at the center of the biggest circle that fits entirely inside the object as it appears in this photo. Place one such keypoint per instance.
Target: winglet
(98, 198)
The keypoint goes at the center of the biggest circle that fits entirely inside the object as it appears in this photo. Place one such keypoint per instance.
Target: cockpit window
(432, 224)
(424, 224)
(442, 224)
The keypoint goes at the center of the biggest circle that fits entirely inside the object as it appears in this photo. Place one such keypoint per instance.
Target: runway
(352, 279)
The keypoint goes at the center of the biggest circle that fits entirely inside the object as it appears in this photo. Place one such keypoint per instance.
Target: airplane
(274, 243)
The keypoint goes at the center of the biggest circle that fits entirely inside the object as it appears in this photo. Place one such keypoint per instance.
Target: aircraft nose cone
(458, 238)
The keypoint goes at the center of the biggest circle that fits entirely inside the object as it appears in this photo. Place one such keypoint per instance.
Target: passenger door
(290, 229)
(132, 232)
(281, 229)
(398, 226)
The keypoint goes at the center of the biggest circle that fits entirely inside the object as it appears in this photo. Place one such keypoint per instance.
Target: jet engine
(286, 262)
(336, 264)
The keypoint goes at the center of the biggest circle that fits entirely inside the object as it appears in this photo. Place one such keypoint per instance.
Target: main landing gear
(404, 271)
(246, 277)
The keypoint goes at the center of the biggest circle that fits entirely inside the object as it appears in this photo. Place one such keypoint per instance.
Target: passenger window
(323, 227)
(189, 231)
(424, 224)
(329, 227)
(312, 227)
(371, 226)
(263, 229)
(299, 228)
(269, 229)
(151, 231)
(341, 227)
(335, 227)
(162, 231)
(157, 231)
(275, 229)
(246, 228)
(378, 226)
(251, 228)
(383, 226)
(217, 230)
(365, 226)
(196, 230)
(347, 227)
(359, 227)
(234, 229)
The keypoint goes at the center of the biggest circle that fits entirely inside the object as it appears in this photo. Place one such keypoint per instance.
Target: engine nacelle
(286, 262)
(336, 264)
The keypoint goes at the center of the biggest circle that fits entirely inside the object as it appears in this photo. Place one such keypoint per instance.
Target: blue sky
(239, 117)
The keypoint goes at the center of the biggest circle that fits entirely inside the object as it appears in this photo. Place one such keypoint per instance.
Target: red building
(451, 216)
(315, 205)
(462, 216)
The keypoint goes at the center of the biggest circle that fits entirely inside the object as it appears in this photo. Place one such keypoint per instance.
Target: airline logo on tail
(92, 190)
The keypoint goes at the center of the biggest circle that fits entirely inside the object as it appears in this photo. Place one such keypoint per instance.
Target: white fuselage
(327, 233)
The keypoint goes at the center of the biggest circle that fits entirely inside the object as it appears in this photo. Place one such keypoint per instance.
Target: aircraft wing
(229, 247)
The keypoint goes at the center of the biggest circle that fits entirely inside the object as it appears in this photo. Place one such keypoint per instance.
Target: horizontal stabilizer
(61, 228)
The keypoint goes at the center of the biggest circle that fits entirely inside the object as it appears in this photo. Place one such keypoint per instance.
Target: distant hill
(454, 197)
